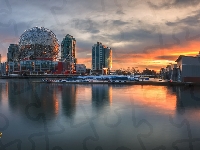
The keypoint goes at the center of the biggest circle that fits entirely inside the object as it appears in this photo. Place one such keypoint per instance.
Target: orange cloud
(153, 59)
(3, 58)
(156, 58)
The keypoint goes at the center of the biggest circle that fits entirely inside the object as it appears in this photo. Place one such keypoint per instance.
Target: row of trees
(135, 71)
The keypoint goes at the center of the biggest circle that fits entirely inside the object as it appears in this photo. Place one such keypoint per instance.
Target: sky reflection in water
(98, 116)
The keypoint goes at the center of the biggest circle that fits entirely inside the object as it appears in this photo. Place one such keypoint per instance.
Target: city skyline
(141, 34)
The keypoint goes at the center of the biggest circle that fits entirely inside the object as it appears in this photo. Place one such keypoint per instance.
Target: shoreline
(129, 83)
(38, 76)
(162, 83)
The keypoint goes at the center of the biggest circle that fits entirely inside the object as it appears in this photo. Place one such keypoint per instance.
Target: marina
(124, 83)
(116, 80)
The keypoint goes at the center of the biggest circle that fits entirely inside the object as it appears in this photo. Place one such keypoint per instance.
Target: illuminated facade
(38, 43)
(36, 53)
(68, 51)
(101, 58)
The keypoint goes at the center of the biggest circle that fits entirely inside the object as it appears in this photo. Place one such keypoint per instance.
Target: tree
(149, 72)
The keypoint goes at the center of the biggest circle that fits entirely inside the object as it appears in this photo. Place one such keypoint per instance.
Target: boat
(94, 79)
(72, 81)
(47, 81)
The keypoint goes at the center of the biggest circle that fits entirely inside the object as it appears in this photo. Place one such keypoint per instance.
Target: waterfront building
(101, 58)
(0, 65)
(189, 68)
(80, 68)
(13, 51)
(12, 57)
(36, 53)
(174, 74)
(170, 72)
(4, 68)
(68, 51)
(38, 44)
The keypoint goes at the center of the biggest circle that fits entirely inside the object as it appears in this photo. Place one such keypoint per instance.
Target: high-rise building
(101, 58)
(0, 64)
(68, 52)
(68, 48)
(13, 50)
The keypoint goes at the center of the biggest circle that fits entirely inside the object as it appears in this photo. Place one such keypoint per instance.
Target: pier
(39, 76)
(129, 83)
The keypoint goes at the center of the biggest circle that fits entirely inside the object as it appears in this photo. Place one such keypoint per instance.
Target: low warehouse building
(189, 67)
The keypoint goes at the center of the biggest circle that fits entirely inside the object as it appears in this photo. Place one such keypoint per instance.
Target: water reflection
(160, 99)
(44, 98)
(68, 96)
(55, 99)
(3, 91)
(101, 95)
(1, 94)
(187, 98)
(153, 104)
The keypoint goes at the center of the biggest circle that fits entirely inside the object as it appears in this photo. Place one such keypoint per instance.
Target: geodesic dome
(38, 43)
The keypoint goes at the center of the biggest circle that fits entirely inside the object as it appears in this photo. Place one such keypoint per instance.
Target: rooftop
(181, 56)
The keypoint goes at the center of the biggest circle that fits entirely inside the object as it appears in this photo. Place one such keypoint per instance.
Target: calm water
(98, 117)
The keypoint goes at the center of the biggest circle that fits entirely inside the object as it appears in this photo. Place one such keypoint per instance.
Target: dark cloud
(174, 3)
(190, 21)
(120, 12)
(130, 36)
(119, 22)
(85, 25)
(167, 57)
(149, 42)
(155, 67)
(125, 56)
(5, 7)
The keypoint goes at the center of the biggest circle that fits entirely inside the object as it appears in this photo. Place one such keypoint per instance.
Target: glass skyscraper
(68, 51)
(68, 48)
(101, 57)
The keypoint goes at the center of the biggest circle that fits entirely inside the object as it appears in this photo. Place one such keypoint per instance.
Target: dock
(37, 76)
(129, 83)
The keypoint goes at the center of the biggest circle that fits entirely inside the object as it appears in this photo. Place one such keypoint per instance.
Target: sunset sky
(144, 34)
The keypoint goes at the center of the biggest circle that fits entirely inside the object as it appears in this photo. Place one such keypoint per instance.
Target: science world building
(36, 53)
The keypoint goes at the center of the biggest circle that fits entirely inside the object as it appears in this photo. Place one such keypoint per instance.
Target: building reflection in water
(3, 92)
(101, 95)
(68, 99)
(55, 98)
(187, 98)
(43, 96)
(50, 98)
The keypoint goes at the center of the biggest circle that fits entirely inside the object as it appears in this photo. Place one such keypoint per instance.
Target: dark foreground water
(98, 117)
